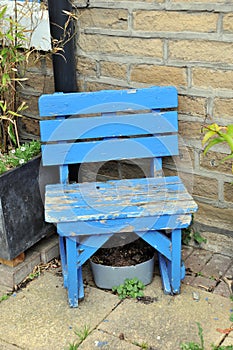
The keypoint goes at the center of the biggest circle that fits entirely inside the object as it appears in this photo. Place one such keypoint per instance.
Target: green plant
(132, 288)
(215, 134)
(196, 346)
(32, 275)
(193, 345)
(13, 56)
(4, 297)
(82, 335)
(18, 156)
(73, 346)
(143, 345)
(189, 233)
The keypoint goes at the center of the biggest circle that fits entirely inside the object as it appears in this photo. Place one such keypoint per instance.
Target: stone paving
(205, 270)
(38, 317)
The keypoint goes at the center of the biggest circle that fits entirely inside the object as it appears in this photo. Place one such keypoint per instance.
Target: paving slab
(102, 340)
(6, 346)
(205, 283)
(186, 252)
(228, 340)
(38, 317)
(198, 259)
(170, 320)
(222, 289)
(217, 266)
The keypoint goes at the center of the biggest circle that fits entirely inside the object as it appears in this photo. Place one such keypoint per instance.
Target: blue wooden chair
(114, 125)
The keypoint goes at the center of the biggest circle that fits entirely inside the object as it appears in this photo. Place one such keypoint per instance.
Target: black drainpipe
(64, 65)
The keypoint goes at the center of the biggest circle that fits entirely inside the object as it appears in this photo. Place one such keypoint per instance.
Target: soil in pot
(133, 253)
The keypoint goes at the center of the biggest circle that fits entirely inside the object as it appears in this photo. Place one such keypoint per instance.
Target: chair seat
(117, 199)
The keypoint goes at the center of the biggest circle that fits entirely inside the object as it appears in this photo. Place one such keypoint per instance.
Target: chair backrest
(108, 125)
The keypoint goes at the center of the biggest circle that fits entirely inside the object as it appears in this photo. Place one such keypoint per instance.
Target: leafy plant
(13, 56)
(18, 156)
(132, 288)
(189, 233)
(215, 134)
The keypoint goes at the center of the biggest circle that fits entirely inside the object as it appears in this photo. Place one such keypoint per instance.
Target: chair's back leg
(156, 167)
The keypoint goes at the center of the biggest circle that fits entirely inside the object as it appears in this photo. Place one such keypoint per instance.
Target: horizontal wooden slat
(111, 149)
(142, 224)
(126, 185)
(111, 126)
(59, 104)
(76, 202)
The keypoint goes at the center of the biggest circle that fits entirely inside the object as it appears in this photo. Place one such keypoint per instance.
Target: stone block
(213, 161)
(11, 276)
(42, 252)
(219, 220)
(228, 23)
(113, 69)
(158, 75)
(228, 191)
(203, 188)
(212, 78)
(118, 46)
(39, 83)
(174, 21)
(201, 51)
(190, 130)
(86, 66)
(104, 18)
(223, 108)
(48, 248)
(192, 105)
(96, 86)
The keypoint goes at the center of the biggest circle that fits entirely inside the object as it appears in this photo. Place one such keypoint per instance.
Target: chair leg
(175, 265)
(80, 283)
(73, 280)
(169, 253)
(63, 259)
(164, 274)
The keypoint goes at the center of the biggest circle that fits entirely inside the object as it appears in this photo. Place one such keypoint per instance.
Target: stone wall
(123, 44)
(39, 75)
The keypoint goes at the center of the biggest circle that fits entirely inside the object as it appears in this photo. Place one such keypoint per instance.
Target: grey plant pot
(106, 277)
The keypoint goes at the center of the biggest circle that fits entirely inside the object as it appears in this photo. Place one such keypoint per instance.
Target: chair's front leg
(175, 264)
(72, 280)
